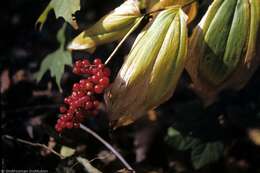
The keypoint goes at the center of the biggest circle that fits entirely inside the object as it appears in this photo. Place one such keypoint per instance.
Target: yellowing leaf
(148, 4)
(191, 11)
(109, 28)
(88, 167)
(67, 151)
(254, 135)
(190, 7)
(152, 69)
(62, 8)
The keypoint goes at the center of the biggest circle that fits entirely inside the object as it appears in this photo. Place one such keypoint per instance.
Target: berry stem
(122, 41)
(33, 144)
(113, 150)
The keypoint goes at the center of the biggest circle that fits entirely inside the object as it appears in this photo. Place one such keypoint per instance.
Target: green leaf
(62, 8)
(56, 61)
(202, 153)
(206, 153)
(180, 142)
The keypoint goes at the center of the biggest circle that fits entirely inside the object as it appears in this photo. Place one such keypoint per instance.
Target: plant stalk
(112, 149)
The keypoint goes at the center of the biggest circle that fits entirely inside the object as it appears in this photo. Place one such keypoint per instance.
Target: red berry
(97, 61)
(94, 71)
(98, 89)
(85, 63)
(58, 129)
(78, 63)
(100, 66)
(96, 103)
(76, 70)
(57, 125)
(69, 117)
(74, 94)
(80, 94)
(69, 125)
(70, 111)
(82, 100)
(89, 86)
(76, 87)
(104, 81)
(62, 124)
(106, 71)
(62, 118)
(88, 105)
(95, 79)
(85, 98)
(66, 100)
(58, 121)
(78, 114)
(72, 107)
(86, 71)
(63, 109)
(99, 74)
(76, 103)
(82, 81)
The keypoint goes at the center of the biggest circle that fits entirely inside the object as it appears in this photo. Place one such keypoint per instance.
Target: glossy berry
(88, 86)
(88, 105)
(76, 87)
(106, 72)
(104, 81)
(82, 100)
(97, 61)
(98, 89)
(85, 63)
(95, 79)
(63, 109)
(76, 70)
(100, 66)
(69, 125)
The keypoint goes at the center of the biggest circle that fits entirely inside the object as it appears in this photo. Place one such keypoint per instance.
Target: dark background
(29, 110)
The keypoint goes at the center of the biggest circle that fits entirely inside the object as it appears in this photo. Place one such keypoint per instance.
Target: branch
(33, 144)
(116, 153)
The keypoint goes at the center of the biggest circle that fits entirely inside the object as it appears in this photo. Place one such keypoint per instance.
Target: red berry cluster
(82, 101)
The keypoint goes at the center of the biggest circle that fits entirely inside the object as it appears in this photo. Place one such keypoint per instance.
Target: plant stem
(33, 144)
(122, 41)
(116, 153)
